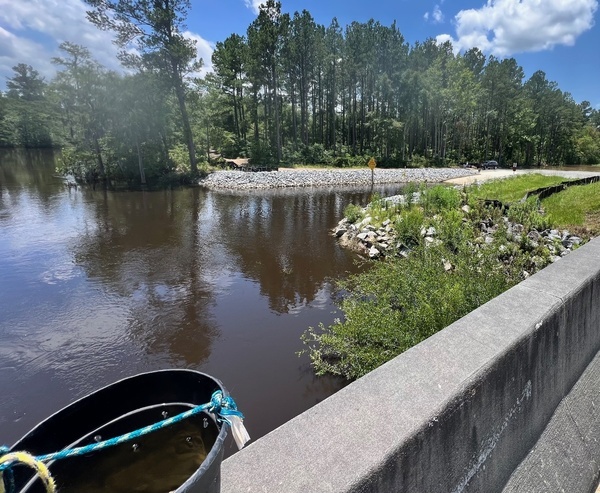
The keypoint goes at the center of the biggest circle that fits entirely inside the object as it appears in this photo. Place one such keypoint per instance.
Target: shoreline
(327, 177)
(288, 178)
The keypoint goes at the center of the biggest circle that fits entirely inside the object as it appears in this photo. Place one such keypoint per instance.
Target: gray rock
(329, 177)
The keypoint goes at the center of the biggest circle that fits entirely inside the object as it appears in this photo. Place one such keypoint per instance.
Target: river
(96, 286)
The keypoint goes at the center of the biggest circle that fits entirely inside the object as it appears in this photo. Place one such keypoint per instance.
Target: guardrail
(461, 411)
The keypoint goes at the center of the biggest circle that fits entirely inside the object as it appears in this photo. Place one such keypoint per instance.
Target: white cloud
(205, 50)
(506, 27)
(14, 50)
(253, 5)
(436, 15)
(31, 30)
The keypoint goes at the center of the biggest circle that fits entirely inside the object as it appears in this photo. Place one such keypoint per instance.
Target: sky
(559, 37)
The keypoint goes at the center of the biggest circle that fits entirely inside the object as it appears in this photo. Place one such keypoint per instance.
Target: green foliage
(314, 154)
(399, 303)
(179, 157)
(411, 192)
(260, 154)
(418, 162)
(440, 197)
(451, 229)
(408, 226)
(588, 145)
(353, 213)
(528, 214)
(80, 164)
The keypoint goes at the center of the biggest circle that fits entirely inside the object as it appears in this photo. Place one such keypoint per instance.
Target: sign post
(372, 165)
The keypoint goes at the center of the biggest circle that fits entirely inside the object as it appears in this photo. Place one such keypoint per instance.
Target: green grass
(576, 207)
(513, 188)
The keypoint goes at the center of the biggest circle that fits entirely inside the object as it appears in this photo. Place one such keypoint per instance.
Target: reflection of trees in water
(31, 170)
(146, 248)
(282, 239)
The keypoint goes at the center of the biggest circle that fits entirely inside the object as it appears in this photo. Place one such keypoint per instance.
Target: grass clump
(353, 213)
(529, 215)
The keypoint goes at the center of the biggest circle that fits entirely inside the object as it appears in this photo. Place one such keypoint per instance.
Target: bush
(408, 227)
(410, 300)
(417, 161)
(451, 229)
(313, 154)
(440, 198)
(528, 214)
(260, 154)
(353, 212)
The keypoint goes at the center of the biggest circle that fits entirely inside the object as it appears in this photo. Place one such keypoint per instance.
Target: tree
(156, 29)
(26, 84)
(30, 112)
(229, 60)
(265, 41)
(81, 88)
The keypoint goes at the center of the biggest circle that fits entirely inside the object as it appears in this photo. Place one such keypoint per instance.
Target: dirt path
(494, 174)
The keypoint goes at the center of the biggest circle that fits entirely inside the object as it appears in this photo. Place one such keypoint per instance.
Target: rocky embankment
(376, 242)
(242, 180)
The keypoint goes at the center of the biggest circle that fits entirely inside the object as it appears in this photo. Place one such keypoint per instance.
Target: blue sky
(560, 37)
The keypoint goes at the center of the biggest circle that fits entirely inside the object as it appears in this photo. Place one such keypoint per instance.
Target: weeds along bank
(444, 252)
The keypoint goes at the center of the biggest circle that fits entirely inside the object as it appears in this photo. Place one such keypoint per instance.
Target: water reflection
(147, 248)
(97, 285)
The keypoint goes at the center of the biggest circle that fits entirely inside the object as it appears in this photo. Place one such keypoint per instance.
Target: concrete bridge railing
(505, 399)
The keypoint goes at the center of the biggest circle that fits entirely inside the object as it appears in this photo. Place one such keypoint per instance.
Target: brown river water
(96, 286)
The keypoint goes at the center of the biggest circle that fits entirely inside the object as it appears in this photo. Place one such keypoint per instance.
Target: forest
(289, 91)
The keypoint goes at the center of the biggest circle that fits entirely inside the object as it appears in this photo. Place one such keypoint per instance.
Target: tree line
(289, 91)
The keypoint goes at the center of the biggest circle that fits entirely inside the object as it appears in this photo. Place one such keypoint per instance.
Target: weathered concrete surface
(458, 412)
(567, 455)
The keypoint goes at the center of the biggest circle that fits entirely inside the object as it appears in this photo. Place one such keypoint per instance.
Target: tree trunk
(140, 163)
(187, 129)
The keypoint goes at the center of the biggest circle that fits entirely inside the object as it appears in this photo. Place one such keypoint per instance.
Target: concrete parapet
(461, 411)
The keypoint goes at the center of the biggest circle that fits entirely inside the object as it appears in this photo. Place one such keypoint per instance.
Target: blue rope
(218, 405)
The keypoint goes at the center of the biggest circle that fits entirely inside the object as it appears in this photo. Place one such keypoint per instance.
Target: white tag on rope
(240, 434)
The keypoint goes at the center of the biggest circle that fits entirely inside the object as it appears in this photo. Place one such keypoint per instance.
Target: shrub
(353, 212)
(408, 226)
(410, 300)
(527, 213)
(417, 161)
(440, 198)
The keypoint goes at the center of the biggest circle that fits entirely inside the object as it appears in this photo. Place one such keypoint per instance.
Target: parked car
(490, 165)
